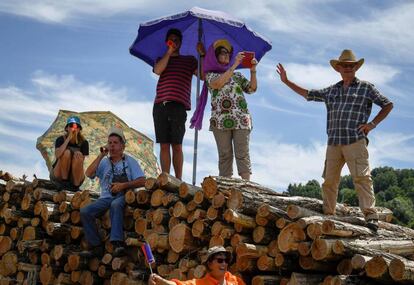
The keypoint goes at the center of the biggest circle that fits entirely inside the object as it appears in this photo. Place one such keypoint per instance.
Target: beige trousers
(225, 140)
(356, 157)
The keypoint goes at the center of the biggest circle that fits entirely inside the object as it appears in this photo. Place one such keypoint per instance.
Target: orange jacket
(209, 280)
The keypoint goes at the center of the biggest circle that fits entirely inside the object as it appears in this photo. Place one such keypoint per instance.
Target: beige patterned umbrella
(95, 126)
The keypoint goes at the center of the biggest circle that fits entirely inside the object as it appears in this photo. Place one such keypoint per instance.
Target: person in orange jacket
(217, 261)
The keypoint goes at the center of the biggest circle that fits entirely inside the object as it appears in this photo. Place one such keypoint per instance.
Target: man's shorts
(169, 122)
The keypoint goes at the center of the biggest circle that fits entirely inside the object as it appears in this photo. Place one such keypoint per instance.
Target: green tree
(311, 189)
(384, 180)
(346, 182)
(402, 208)
(348, 196)
(392, 192)
(407, 183)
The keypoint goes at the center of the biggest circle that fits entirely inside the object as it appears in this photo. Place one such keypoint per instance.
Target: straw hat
(118, 132)
(223, 43)
(347, 56)
(217, 249)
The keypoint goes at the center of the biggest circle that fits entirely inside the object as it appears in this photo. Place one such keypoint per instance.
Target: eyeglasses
(347, 65)
(224, 52)
(73, 125)
(221, 260)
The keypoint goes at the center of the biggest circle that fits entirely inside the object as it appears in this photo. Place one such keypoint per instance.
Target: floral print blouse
(228, 106)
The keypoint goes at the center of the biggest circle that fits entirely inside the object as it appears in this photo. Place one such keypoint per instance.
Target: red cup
(170, 43)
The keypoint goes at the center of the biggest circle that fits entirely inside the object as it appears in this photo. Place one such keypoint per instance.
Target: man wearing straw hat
(349, 104)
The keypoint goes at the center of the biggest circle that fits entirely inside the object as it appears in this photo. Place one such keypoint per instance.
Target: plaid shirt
(347, 109)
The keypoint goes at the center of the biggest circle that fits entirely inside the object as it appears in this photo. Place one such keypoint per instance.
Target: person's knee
(330, 183)
(362, 179)
(177, 148)
(117, 204)
(225, 153)
(78, 157)
(84, 212)
(67, 155)
(165, 147)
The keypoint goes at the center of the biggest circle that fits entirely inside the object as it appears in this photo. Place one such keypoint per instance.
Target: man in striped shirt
(172, 101)
(349, 104)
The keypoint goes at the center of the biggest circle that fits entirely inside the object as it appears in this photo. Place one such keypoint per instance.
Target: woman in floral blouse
(230, 120)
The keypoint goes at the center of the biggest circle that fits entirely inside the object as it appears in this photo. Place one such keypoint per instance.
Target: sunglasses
(221, 260)
(347, 65)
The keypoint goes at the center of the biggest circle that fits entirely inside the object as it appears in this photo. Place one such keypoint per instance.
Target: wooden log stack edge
(274, 238)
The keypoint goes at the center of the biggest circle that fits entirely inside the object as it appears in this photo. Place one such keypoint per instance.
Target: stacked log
(274, 238)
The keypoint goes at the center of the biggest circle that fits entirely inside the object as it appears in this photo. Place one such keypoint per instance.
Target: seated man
(117, 173)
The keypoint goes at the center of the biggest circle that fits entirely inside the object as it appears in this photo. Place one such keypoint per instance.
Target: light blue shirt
(105, 173)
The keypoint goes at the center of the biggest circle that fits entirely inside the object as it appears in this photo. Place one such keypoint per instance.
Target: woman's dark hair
(176, 32)
(218, 49)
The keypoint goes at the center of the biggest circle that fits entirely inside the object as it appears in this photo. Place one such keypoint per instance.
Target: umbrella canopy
(95, 126)
(150, 42)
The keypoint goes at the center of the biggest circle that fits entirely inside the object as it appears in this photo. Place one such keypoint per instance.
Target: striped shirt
(174, 83)
(347, 109)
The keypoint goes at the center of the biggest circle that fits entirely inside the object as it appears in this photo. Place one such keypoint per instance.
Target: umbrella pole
(197, 98)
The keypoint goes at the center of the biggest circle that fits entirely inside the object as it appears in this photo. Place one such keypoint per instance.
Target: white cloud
(391, 146)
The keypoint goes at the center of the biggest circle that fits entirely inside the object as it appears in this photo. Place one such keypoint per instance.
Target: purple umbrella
(196, 25)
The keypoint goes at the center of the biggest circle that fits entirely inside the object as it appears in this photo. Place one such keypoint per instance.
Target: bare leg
(62, 168)
(178, 159)
(78, 174)
(165, 157)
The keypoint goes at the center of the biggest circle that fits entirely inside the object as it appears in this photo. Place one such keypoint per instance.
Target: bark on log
(251, 250)
(350, 280)
(270, 212)
(341, 229)
(266, 280)
(322, 249)
(305, 279)
(308, 263)
(187, 191)
(168, 182)
(237, 218)
(151, 184)
(372, 247)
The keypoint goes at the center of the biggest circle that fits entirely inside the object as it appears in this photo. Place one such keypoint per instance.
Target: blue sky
(74, 55)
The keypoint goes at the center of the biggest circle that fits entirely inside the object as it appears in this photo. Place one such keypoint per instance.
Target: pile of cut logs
(274, 238)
